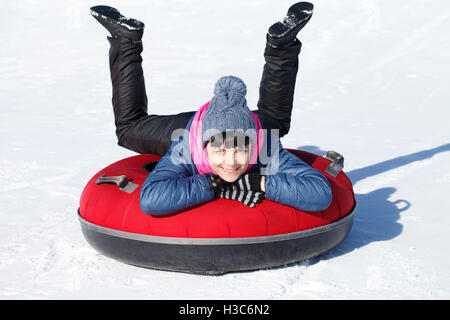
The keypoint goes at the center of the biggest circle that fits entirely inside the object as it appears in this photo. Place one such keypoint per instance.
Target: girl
(220, 151)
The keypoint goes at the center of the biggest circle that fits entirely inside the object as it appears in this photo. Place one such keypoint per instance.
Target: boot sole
(296, 18)
(113, 16)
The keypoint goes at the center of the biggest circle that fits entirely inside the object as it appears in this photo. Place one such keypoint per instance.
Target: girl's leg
(276, 91)
(135, 129)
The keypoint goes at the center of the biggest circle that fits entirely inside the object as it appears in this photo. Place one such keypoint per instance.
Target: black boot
(117, 24)
(284, 33)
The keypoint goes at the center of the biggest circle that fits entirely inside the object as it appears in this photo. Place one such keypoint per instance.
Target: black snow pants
(150, 133)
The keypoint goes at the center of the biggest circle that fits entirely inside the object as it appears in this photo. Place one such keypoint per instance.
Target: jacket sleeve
(296, 184)
(171, 187)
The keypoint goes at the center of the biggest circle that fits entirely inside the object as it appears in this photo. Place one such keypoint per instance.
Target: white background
(372, 85)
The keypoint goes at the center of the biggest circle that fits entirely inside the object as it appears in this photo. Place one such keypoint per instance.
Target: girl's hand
(263, 183)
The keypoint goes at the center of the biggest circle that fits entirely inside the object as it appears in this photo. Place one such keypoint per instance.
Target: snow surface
(372, 85)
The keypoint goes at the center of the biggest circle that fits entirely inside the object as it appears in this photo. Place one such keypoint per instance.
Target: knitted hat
(228, 110)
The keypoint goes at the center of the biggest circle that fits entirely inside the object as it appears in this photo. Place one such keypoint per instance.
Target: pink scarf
(198, 152)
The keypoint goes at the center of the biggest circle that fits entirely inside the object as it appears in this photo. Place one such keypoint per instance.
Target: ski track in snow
(371, 86)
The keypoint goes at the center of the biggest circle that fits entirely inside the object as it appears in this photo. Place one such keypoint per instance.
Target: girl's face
(228, 163)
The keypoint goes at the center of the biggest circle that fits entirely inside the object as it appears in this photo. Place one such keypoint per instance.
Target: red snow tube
(217, 237)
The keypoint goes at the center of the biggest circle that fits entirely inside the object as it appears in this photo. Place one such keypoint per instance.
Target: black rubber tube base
(244, 254)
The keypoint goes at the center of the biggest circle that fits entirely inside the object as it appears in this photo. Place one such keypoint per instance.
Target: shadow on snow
(377, 215)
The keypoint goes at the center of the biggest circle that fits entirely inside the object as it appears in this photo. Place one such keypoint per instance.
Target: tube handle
(337, 163)
(121, 181)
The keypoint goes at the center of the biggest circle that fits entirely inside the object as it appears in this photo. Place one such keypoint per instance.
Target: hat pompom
(230, 87)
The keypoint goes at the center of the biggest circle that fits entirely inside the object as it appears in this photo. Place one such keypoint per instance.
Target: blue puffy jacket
(175, 183)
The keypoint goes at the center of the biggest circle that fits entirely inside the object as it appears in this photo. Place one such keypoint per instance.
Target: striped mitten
(247, 189)
(247, 197)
